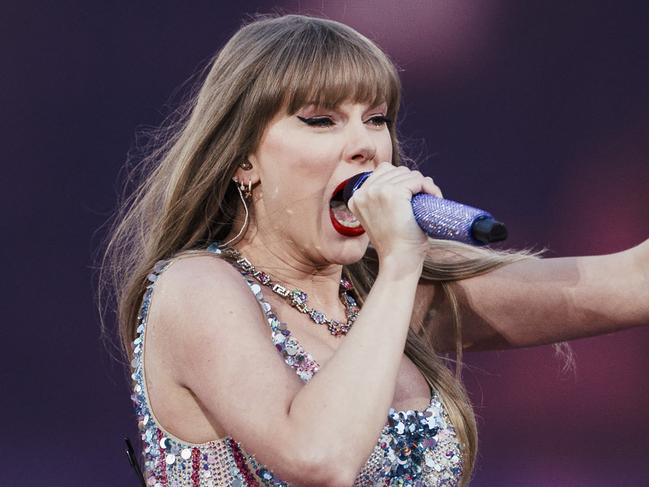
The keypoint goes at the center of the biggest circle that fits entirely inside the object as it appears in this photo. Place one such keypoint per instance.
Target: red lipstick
(339, 227)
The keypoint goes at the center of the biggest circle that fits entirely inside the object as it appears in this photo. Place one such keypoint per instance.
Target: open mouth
(343, 220)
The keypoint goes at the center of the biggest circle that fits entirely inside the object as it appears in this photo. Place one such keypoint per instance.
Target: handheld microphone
(443, 219)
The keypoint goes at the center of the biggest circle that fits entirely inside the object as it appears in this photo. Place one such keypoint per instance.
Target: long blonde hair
(185, 197)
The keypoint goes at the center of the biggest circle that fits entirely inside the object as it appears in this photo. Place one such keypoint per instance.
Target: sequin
(415, 448)
(159, 266)
(214, 248)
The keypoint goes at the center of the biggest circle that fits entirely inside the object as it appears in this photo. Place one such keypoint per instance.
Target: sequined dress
(415, 448)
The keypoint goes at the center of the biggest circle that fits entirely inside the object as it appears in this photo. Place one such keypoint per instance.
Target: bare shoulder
(190, 277)
(197, 287)
(203, 305)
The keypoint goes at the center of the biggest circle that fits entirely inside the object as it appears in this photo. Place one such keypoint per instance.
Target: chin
(344, 250)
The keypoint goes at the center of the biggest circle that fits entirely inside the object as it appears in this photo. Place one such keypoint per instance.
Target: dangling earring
(248, 192)
(245, 190)
(246, 165)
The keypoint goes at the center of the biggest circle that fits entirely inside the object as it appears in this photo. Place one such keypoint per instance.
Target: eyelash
(318, 121)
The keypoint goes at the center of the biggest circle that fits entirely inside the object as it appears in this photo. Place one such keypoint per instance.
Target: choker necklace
(298, 298)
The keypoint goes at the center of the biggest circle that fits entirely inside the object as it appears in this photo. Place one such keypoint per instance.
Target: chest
(411, 389)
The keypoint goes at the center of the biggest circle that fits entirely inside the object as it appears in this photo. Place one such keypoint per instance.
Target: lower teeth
(342, 214)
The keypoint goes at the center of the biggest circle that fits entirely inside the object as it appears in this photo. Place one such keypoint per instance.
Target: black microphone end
(488, 230)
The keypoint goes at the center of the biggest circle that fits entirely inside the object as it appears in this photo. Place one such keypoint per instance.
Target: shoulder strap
(287, 345)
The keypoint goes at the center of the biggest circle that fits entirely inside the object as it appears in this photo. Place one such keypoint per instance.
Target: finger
(385, 166)
(413, 182)
(430, 187)
(384, 172)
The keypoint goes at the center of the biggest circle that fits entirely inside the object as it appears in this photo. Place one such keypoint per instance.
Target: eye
(380, 120)
(317, 121)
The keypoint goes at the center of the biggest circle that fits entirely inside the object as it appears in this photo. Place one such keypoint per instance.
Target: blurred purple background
(537, 111)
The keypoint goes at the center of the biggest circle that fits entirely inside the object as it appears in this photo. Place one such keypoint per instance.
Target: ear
(247, 171)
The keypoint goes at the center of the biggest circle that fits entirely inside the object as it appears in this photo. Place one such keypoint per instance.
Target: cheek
(385, 148)
(296, 169)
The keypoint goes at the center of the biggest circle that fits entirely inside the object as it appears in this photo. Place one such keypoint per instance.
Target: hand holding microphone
(381, 205)
(438, 217)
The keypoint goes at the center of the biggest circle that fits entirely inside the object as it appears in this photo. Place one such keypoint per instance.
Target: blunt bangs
(326, 64)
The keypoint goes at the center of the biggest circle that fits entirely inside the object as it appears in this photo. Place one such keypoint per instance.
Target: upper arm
(217, 343)
(540, 301)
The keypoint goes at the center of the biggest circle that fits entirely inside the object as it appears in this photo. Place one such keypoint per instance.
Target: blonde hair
(185, 197)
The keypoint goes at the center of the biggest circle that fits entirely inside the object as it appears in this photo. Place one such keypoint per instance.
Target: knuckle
(354, 203)
(374, 191)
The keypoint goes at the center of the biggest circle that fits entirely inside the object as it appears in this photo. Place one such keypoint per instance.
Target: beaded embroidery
(415, 448)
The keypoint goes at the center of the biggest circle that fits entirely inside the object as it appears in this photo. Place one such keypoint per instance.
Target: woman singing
(276, 338)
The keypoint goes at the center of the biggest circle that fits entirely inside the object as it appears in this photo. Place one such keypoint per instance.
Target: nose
(361, 147)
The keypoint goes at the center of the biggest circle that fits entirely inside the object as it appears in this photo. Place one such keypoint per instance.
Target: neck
(293, 268)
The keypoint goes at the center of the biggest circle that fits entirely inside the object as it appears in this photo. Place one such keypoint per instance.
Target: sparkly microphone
(441, 218)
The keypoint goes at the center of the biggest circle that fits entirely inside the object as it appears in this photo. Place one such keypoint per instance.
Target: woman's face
(300, 161)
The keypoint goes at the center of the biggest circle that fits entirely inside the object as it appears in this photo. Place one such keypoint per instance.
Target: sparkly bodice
(415, 448)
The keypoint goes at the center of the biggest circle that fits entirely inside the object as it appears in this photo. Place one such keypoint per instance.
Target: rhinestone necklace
(298, 298)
